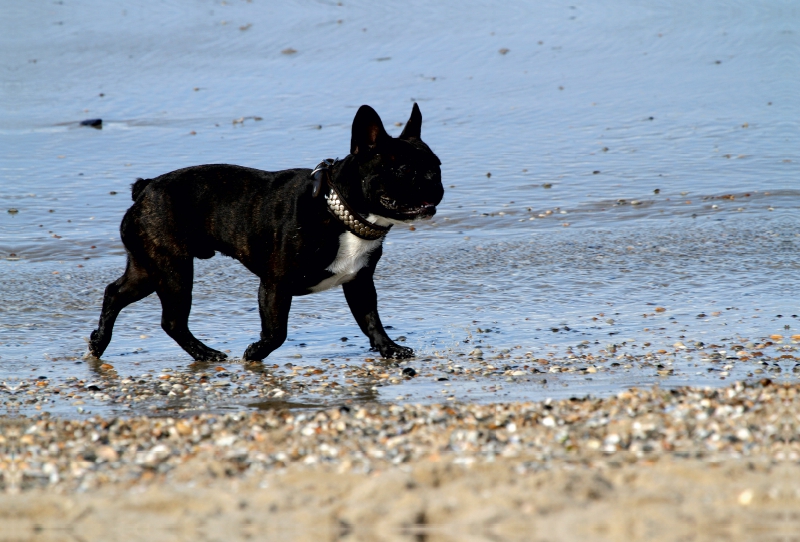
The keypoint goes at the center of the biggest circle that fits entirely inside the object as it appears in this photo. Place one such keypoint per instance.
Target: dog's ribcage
(353, 254)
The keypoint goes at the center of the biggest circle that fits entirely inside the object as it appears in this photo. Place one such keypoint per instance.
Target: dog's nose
(436, 194)
(427, 210)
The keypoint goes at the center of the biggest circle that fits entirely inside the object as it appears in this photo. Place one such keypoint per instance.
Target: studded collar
(354, 222)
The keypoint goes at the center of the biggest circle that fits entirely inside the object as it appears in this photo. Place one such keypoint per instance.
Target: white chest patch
(352, 256)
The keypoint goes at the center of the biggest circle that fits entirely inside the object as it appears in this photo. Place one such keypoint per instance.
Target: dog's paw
(92, 353)
(395, 351)
(89, 355)
(210, 355)
(254, 352)
(96, 348)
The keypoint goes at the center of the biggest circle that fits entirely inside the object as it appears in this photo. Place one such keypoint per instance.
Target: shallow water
(612, 160)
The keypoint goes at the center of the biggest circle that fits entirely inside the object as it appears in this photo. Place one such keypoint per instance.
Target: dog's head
(401, 178)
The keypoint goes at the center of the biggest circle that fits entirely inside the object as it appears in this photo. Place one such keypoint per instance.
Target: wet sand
(646, 464)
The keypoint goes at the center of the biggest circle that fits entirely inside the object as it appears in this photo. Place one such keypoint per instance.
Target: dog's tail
(138, 187)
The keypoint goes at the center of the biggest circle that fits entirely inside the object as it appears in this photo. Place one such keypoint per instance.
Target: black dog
(299, 231)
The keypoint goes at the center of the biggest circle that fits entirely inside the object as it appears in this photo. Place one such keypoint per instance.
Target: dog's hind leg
(175, 291)
(133, 285)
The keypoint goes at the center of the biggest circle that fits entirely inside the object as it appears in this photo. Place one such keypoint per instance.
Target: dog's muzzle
(425, 210)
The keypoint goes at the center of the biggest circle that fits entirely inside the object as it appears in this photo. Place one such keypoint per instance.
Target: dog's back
(196, 211)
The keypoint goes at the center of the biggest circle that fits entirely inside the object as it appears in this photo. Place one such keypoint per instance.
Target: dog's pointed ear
(367, 130)
(414, 125)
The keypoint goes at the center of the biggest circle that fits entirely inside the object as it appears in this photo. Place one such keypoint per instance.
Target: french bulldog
(300, 231)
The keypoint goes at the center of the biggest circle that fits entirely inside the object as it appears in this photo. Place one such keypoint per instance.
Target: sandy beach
(643, 465)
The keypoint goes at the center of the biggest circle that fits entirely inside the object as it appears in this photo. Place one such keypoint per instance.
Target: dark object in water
(94, 123)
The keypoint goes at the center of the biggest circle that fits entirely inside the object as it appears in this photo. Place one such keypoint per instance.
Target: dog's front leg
(274, 303)
(363, 300)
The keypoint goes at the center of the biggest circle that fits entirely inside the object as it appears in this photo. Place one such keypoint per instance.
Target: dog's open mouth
(407, 212)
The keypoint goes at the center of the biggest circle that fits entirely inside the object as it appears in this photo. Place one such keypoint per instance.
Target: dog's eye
(403, 171)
